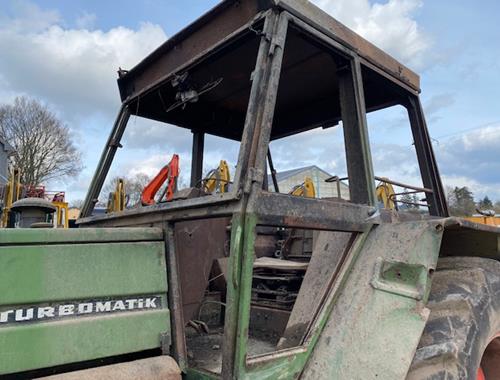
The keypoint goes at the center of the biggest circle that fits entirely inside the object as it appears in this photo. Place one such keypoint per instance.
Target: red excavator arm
(169, 172)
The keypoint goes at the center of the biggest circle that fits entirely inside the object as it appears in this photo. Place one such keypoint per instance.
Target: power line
(465, 131)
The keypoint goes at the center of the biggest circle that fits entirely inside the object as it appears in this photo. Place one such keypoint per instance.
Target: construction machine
(58, 199)
(168, 174)
(14, 191)
(389, 199)
(485, 217)
(252, 283)
(305, 189)
(218, 180)
(11, 193)
(117, 199)
(386, 194)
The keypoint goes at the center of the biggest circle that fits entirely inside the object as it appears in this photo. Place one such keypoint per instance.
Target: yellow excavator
(218, 180)
(61, 216)
(386, 194)
(117, 199)
(485, 217)
(11, 194)
(14, 191)
(305, 189)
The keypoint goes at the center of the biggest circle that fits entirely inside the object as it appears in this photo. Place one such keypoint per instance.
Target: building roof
(6, 147)
(281, 176)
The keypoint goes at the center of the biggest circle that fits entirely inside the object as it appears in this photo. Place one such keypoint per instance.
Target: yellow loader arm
(12, 193)
(218, 179)
(385, 194)
(117, 199)
(305, 189)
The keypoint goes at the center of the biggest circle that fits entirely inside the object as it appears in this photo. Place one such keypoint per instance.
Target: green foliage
(409, 201)
(461, 201)
(485, 204)
(496, 207)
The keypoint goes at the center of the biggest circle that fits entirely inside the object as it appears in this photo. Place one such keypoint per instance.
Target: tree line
(461, 202)
(45, 151)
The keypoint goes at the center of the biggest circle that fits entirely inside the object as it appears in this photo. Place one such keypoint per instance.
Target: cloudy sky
(66, 54)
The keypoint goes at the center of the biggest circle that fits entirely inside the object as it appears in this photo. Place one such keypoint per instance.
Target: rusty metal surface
(465, 238)
(156, 368)
(461, 223)
(227, 17)
(105, 161)
(426, 158)
(197, 158)
(198, 244)
(199, 37)
(268, 319)
(265, 63)
(204, 207)
(358, 155)
(266, 244)
(283, 209)
(179, 350)
(319, 19)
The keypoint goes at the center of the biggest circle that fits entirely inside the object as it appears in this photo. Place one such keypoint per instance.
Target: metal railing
(393, 197)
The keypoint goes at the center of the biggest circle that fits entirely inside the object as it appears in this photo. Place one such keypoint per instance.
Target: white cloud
(151, 165)
(321, 147)
(73, 69)
(479, 190)
(25, 16)
(391, 26)
(471, 159)
(143, 133)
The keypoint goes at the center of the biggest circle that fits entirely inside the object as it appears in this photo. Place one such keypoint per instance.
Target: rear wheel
(462, 337)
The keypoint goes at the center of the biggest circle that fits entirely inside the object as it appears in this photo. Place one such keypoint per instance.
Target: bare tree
(496, 207)
(44, 149)
(133, 188)
(78, 203)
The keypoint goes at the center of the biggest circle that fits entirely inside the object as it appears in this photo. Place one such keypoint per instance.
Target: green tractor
(252, 283)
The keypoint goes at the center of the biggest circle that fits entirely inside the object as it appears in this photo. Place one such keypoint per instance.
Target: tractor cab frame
(256, 71)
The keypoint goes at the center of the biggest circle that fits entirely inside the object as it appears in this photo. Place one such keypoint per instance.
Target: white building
(290, 178)
(5, 152)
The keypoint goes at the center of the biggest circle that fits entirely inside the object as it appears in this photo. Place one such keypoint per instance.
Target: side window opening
(291, 274)
(399, 184)
(305, 161)
(209, 99)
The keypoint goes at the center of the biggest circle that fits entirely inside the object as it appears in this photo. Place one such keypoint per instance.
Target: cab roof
(219, 50)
